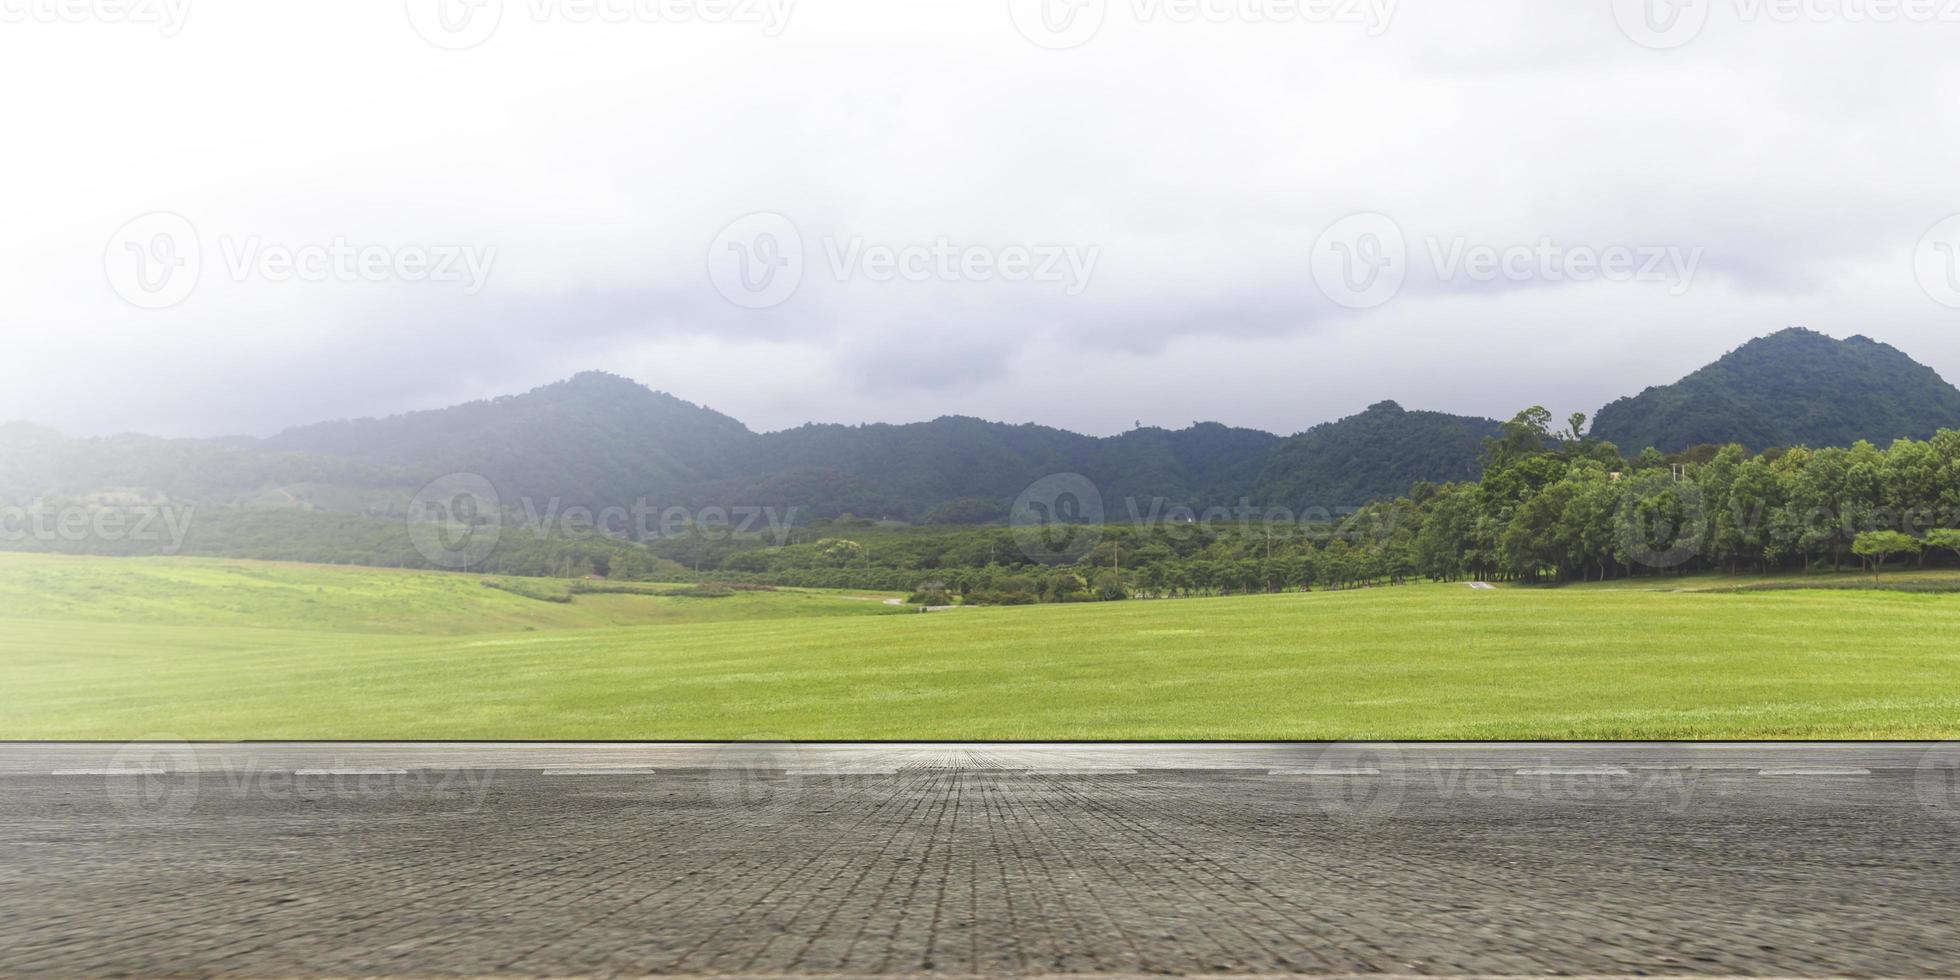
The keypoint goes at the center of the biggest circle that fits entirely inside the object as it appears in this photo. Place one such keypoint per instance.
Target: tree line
(1552, 505)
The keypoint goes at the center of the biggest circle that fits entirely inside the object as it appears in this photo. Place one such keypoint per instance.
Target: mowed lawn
(1427, 661)
(344, 599)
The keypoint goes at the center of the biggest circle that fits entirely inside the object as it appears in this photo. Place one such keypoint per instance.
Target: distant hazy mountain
(1792, 387)
(37, 462)
(593, 440)
(926, 464)
(600, 440)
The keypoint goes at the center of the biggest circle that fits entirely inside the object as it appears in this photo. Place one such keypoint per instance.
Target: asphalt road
(330, 859)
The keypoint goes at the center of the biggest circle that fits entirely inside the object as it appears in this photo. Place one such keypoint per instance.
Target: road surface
(337, 859)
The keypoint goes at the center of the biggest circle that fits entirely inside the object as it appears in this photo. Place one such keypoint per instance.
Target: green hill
(1375, 455)
(1794, 387)
(592, 441)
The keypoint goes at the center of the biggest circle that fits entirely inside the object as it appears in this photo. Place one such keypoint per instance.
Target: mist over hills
(598, 440)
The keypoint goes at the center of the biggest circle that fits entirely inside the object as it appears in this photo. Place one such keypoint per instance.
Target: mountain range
(599, 440)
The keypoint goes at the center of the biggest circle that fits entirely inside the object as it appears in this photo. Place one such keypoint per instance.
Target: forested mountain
(1372, 456)
(593, 440)
(1794, 387)
(599, 440)
(921, 466)
(36, 462)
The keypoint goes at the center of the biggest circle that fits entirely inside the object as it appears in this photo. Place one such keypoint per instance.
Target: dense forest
(1553, 506)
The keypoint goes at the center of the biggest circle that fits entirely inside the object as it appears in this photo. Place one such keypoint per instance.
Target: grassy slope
(1413, 662)
(217, 592)
(1899, 577)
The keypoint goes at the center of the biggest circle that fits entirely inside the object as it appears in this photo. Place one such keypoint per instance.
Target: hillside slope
(1375, 455)
(1794, 387)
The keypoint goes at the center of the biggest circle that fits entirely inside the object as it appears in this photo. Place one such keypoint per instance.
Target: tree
(1943, 539)
(1526, 434)
(1876, 546)
(1575, 428)
(1742, 528)
(840, 551)
(930, 594)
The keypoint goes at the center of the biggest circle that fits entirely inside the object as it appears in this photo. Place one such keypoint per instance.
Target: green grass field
(119, 648)
(331, 598)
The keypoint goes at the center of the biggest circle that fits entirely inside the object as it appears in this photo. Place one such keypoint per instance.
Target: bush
(982, 597)
(539, 591)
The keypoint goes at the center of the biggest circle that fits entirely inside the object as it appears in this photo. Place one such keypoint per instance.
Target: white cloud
(1201, 161)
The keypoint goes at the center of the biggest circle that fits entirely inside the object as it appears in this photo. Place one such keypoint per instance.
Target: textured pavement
(259, 860)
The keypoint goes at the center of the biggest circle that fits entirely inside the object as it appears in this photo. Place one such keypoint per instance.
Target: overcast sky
(1268, 212)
